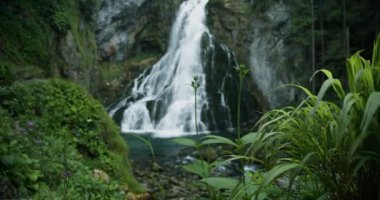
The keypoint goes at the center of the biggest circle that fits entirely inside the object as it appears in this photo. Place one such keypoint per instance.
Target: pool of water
(164, 148)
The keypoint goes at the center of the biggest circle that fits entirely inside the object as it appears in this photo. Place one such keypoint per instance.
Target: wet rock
(100, 175)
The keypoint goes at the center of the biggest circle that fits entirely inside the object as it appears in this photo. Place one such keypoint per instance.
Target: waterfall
(166, 89)
(161, 100)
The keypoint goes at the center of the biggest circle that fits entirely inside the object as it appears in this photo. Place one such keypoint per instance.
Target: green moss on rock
(54, 38)
(62, 135)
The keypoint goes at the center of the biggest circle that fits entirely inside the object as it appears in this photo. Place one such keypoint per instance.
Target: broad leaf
(200, 168)
(185, 141)
(277, 171)
(250, 138)
(221, 182)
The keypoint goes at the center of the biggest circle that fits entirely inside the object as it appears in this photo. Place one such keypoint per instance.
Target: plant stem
(196, 125)
(195, 84)
(238, 107)
(65, 166)
(195, 111)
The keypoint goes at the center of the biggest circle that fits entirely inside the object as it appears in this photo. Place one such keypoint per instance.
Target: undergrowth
(59, 143)
(320, 149)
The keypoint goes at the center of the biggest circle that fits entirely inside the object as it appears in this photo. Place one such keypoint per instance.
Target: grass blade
(185, 141)
(372, 106)
(275, 172)
(214, 139)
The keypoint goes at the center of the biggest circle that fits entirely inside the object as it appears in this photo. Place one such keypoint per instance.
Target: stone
(101, 175)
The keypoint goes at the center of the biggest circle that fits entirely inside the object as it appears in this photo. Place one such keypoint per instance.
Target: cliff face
(258, 35)
(104, 44)
(41, 39)
(131, 35)
(128, 28)
(137, 32)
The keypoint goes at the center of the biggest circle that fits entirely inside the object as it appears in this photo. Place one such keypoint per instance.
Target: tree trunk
(345, 32)
(321, 26)
(313, 43)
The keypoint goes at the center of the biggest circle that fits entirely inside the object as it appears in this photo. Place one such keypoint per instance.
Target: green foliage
(199, 167)
(24, 171)
(332, 139)
(6, 77)
(53, 136)
(149, 144)
(221, 182)
(145, 55)
(24, 38)
(320, 149)
(243, 71)
(340, 29)
(214, 139)
(61, 21)
(31, 31)
(216, 2)
(185, 141)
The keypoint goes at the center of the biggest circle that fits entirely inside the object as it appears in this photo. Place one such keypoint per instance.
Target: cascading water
(161, 100)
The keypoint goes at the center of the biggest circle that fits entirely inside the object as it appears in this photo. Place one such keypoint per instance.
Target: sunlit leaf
(277, 171)
(200, 168)
(250, 138)
(373, 104)
(376, 52)
(221, 182)
(185, 141)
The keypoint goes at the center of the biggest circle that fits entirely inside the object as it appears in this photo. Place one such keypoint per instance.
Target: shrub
(65, 135)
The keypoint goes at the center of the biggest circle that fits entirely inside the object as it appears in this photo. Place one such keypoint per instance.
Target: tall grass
(333, 143)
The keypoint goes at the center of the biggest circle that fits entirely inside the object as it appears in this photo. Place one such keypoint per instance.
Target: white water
(165, 92)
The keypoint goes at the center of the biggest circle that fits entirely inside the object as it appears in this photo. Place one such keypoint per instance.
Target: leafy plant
(204, 168)
(318, 150)
(331, 139)
(61, 21)
(53, 136)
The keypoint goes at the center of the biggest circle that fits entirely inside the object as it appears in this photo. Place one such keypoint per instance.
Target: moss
(34, 33)
(59, 127)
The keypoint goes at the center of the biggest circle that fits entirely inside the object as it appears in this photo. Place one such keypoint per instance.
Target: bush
(62, 135)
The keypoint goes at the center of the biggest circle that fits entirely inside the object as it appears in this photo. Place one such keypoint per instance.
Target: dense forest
(275, 99)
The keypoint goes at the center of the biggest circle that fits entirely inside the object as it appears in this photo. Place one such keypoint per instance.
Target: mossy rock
(66, 134)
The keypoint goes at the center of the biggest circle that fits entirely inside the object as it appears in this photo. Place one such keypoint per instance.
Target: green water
(163, 148)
